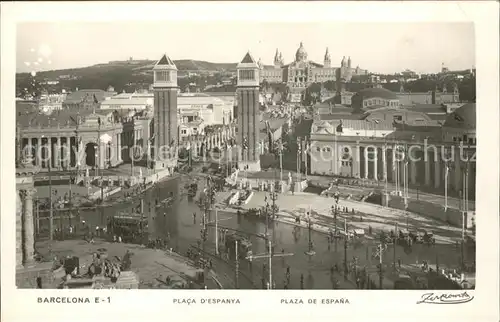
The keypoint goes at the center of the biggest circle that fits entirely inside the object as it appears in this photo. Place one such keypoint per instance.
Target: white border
(373, 305)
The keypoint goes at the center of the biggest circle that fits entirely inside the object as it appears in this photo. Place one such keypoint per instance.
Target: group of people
(158, 243)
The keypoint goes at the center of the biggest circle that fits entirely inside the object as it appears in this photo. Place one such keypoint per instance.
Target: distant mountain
(122, 75)
(139, 65)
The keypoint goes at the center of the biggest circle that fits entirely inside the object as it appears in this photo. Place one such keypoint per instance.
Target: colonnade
(423, 168)
(199, 144)
(63, 152)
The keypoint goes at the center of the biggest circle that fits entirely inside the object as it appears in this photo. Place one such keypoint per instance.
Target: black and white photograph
(234, 155)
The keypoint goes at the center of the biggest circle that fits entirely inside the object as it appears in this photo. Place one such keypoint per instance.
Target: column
(49, 153)
(384, 163)
(57, 155)
(357, 161)
(68, 152)
(28, 228)
(413, 172)
(366, 163)
(427, 164)
(375, 163)
(112, 152)
(117, 148)
(194, 149)
(29, 148)
(102, 155)
(38, 152)
(457, 171)
(437, 172)
(120, 147)
(19, 228)
(394, 166)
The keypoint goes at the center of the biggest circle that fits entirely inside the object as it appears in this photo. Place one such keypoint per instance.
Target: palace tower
(248, 114)
(165, 114)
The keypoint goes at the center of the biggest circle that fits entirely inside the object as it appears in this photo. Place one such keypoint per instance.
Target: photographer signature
(445, 298)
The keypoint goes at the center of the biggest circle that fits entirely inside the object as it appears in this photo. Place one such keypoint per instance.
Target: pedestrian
(119, 239)
(399, 263)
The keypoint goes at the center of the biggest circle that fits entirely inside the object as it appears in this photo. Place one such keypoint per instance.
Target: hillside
(122, 75)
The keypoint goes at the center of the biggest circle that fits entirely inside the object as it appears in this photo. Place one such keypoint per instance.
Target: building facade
(302, 72)
(368, 149)
(72, 140)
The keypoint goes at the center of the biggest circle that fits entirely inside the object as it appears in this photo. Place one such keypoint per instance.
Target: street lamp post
(310, 251)
(465, 209)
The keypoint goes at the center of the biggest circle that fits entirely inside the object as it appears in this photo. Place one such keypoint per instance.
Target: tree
(467, 89)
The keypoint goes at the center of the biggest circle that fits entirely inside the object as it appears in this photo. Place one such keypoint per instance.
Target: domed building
(302, 72)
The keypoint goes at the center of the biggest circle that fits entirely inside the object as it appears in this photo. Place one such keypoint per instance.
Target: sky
(378, 47)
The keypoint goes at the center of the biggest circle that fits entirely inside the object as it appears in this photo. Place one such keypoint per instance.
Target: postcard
(232, 159)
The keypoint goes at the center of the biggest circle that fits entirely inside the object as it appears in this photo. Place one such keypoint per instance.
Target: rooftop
(79, 96)
(376, 92)
(57, 118)
(463, 117)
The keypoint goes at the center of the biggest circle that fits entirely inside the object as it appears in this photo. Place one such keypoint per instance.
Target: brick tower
(165, 114)
(248, 114)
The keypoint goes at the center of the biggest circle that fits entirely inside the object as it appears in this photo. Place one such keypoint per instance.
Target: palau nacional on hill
(349, 126)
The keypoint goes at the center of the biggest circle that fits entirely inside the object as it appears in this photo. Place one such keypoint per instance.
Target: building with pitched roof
(86, 99)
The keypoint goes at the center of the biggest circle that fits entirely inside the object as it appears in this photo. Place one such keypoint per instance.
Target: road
(177, 222)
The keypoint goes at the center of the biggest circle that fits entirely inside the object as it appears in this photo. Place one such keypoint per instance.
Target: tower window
(247, 75)
(162, 76)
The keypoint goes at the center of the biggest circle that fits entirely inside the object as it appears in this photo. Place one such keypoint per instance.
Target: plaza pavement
(412, 192)
(378, 217)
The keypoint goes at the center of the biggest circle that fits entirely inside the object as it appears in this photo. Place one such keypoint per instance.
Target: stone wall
(27, 277)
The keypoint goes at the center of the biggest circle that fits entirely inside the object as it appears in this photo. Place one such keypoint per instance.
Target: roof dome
(301, 54)
(463, 117)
